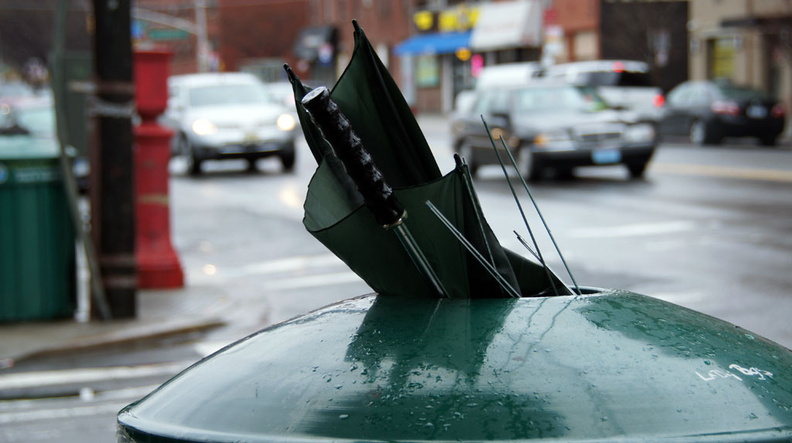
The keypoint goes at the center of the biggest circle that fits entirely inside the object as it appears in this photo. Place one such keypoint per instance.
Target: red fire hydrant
(158, 264)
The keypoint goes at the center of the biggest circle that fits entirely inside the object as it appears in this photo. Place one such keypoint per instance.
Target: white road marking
(290, 264)
(61, 413)
(206, 348)
(635, 230)
(312, 281)
(775, 175)
(105, 402)
(216, 273)
(35, 379)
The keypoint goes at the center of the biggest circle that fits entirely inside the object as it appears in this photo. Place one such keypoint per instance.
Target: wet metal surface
(601, 366)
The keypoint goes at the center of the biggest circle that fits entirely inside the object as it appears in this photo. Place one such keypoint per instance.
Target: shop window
(721, 53)
(428, 73)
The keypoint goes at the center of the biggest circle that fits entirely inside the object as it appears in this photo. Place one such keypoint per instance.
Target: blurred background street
(707, 229)
(198, 235)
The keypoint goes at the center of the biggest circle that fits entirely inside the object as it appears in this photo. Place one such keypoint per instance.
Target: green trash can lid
(25, 147)
(27, 130)
(604, 366)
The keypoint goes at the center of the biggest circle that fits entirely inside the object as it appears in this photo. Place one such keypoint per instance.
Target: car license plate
(604, 156)
(756, 111)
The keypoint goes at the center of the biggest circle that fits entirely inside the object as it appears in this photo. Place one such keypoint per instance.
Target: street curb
(138, 333)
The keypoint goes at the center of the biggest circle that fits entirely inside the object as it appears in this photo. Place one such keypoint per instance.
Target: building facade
(325, 45)
(746, 41)
(452, 40)
(188, 28)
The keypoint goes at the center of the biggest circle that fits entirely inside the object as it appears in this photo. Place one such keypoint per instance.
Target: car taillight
(725, 107)
(778, 111)
(658, 101)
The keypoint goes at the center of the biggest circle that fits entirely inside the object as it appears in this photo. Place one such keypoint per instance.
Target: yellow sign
(460, 18)
(424, 20)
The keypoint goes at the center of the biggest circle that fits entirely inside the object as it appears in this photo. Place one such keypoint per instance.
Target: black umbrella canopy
(337, 215)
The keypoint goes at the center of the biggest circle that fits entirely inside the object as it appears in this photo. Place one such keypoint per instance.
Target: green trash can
(607, 365)
(37, 240)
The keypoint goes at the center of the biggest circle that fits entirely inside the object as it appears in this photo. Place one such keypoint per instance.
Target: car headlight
(286, 122)
(203, 126)
(639, 133)
(554, 140)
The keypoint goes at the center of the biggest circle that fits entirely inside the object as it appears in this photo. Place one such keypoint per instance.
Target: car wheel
(702, 134)
(467, 153)
(527, 165)
(565, 173)
(287, 160)
(637, 169)
(182, 145)
(768, 140)
(193, 162)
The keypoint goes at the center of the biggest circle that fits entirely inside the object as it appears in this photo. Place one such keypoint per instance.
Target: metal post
(112, 166)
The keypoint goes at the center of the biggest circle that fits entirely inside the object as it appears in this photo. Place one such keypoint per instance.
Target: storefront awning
(437, 43)
(506, 25)
(753, 21)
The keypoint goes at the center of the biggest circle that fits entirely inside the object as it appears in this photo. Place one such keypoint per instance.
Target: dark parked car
(552, 125)
(708, 111)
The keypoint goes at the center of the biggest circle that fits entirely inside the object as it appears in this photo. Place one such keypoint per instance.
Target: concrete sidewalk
(161, 313)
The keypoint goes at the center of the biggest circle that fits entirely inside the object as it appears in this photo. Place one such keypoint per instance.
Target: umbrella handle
(337, 130)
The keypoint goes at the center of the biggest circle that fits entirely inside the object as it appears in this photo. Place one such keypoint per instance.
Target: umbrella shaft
(418, 258)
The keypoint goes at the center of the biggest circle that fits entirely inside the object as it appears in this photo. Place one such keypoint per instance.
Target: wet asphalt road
(709, 228)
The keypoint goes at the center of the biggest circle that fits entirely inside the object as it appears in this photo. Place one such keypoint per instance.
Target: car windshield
(533, 100)
(229, 94)
(616, 78)
(743, 94)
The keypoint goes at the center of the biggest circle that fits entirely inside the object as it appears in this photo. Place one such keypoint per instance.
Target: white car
(219, 116)
(625, 84)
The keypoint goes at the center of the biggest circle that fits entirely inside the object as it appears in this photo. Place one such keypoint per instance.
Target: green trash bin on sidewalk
(37, 240)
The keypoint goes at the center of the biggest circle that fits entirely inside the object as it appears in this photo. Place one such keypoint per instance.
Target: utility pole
(202, 41)
(112, 161)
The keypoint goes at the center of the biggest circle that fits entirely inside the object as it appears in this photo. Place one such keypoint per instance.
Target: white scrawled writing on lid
(714, 374)
(761, 374)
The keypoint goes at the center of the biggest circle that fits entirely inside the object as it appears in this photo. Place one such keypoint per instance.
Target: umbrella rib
(476, 254)
(479, 217)
(526, 245)
(536, 207)
(519, 205)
